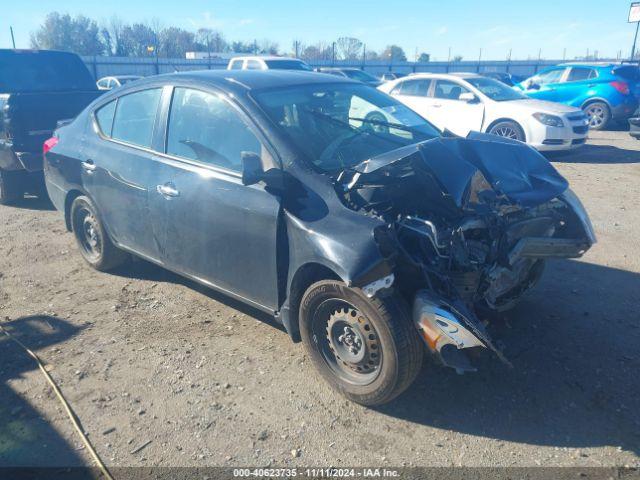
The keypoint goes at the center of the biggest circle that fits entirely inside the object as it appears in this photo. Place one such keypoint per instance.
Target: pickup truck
(38, 88)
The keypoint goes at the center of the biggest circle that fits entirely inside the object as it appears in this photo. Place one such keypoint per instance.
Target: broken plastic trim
(372, 288)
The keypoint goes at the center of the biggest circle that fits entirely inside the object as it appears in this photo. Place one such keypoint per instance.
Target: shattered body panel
(469, 223)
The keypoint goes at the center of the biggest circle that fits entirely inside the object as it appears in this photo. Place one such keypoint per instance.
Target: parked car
(504, 77)
(465, 102)
(107, 83)
(267, 63)
(353, 73)
(606, 92)
(388, 76)
(37, 89)
(368, 244)
(634, 125)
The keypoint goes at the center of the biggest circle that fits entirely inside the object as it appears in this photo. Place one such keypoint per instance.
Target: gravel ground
(145, 356)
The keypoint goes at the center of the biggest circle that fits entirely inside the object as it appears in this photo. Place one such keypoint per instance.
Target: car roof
(245, 80)
(461, 75)
(264, 57)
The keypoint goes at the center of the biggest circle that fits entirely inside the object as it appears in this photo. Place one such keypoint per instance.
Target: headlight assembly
(550, 120)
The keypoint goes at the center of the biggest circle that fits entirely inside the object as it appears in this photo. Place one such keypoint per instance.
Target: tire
(11, 187)
(370, 123)
(599, 115)
(92, 239)
(335, 319)
(508, 129)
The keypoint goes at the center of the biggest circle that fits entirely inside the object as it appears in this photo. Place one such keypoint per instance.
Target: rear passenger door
(119, 169)
(575, 85)
(211, 226)
(414, 94)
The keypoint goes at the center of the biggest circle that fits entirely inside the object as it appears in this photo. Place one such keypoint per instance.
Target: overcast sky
(465, 26)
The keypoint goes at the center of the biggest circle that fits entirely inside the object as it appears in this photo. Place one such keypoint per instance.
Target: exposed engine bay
(468, 226)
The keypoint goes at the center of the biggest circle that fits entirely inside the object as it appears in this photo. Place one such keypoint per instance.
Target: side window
(204, 127)
(552, 76)
(418, 88)
(578, 74)
(104, 117)
(236, 65)
(448, 90)
(254, 65)
(135, 117)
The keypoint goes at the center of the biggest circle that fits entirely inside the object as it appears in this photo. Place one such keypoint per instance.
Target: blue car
(606, 92)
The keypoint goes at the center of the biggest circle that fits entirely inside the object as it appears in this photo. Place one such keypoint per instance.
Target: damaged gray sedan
(367, 232)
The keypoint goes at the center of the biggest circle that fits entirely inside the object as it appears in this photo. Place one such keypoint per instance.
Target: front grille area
(552, 141)
(578, 117)
(581, 130)
(578, 141)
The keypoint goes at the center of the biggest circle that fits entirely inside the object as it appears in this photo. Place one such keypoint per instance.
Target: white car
(267, 63)
(108, 83)
(462, 102)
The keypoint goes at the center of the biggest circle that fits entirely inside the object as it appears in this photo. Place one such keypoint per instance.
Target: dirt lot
(143, 355)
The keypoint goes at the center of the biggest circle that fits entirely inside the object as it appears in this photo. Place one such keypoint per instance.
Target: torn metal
(468, 224)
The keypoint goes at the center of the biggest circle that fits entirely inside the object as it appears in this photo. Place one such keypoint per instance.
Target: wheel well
(306, 276)
(71, 196)
(595, 100)
(495, 122)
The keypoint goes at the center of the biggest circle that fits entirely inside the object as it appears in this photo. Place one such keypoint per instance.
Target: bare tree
(349, 48)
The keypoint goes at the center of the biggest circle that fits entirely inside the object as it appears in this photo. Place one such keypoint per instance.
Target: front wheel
(365, 348)
(92, 239)
(508, 129)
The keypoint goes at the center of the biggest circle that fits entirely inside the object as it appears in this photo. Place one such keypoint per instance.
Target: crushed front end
(469, 224)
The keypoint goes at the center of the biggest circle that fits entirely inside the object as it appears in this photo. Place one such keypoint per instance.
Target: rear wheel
(508, 129)
(11, 187)
(366, 348)
(599, 115)
(94, 243)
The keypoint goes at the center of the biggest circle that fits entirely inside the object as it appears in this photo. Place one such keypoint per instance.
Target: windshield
(43, 72)
(338, 126)
(495, 90)
(360, 75)
(287, 65)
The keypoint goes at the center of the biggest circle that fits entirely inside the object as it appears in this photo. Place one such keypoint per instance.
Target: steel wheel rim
(88, 233)
(506, 131)
(347, 342)
(596, 116)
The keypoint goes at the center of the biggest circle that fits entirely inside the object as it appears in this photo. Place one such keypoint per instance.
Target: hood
(546, 107)
(464, 166)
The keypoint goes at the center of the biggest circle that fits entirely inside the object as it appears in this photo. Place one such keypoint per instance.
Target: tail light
(49, 144)
(622, 87)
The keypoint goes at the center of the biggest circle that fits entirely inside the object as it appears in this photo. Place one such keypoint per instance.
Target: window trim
(162, 123)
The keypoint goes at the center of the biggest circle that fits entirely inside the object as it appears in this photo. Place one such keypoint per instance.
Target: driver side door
(544, 86)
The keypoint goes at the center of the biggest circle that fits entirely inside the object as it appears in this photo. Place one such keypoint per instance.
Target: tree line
(85, 36)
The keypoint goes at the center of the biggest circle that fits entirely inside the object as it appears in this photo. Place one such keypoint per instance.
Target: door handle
(88, 165)
(437, 105)
(167, 190)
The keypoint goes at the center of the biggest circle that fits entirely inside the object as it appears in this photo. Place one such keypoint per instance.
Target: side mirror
(468, 97)
(533, 85)
(252, 171)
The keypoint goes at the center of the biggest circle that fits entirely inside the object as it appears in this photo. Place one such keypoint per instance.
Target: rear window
(43, 72)
(628, 72)
(287, 65)
(418, 88)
